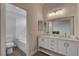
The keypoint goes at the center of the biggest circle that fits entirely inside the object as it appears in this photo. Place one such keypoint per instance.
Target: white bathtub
(21, 44)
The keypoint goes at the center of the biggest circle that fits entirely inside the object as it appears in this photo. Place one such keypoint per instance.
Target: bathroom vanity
(62, 42)
(62, 45)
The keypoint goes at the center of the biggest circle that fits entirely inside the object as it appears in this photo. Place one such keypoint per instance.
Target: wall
(70, 10)
(21, 29)
(2, 26)
(33, 15)
(77, 20)
(0, 29)
(21, 26)
(10, 22)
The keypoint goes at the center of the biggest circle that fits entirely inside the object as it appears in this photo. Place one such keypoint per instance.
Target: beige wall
(70, 10)
(34, 13)
(77, 20)
(0, 29)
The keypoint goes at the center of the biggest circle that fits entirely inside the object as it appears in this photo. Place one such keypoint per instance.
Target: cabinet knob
(66, 45)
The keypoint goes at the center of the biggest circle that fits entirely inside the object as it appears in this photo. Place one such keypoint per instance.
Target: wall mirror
(61, 25)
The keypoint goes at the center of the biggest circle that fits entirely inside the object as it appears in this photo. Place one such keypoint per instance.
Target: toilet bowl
(9, 47)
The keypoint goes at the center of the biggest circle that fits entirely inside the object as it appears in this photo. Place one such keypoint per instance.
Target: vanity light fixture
(58, 12)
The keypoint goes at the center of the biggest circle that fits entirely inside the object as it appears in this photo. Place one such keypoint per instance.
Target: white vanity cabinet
(72, 48)
(59, 45)
(67, 47)
(53, 44)
(44, 42)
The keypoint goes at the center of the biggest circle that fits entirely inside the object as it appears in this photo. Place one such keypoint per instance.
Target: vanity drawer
(43, 42)
(53, 41)
(53, 44)
(52, 47)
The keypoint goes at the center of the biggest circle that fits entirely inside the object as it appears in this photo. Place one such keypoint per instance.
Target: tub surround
(21, 45)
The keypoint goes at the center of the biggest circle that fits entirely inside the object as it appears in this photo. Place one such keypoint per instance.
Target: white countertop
(70, 38)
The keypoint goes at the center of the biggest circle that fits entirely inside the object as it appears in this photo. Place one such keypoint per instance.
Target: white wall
(10, 22)
(15, 23)
(21, 26)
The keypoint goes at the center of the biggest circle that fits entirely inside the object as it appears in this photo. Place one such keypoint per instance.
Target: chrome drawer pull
(52, 44)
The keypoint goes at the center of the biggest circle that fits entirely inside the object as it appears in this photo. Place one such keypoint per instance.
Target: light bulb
(59, 12)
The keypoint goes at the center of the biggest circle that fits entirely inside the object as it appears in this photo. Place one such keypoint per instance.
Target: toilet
(9, 47)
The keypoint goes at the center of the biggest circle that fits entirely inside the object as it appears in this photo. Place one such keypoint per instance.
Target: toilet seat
(9, 44)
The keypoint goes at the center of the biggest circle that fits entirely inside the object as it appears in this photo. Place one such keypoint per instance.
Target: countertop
(70, 38)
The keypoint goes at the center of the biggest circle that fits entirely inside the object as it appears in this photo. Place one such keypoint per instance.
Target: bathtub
(21, 44)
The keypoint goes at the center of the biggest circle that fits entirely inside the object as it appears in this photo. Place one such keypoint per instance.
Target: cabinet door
(41, 42)
(71, 48)
(44, 42)
(67, 48)
(53, 44)
(61, 47)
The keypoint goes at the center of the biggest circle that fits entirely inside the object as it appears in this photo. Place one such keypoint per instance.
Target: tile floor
(39, 53)
(17, 52)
